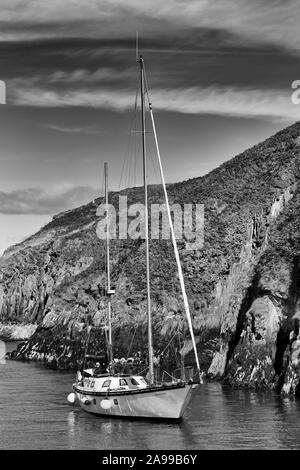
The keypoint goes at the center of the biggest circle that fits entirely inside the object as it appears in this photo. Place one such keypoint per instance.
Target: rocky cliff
(242, 284)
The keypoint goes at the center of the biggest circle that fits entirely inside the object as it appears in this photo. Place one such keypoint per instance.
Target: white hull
(159, 403)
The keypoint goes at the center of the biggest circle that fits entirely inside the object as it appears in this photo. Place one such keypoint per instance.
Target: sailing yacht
(128, 395)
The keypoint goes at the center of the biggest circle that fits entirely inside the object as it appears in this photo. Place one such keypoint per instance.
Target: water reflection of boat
(108, 433)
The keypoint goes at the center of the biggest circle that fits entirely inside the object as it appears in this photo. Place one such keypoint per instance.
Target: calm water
(34, 414)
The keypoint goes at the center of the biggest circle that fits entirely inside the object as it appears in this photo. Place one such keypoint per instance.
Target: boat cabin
(110, 382)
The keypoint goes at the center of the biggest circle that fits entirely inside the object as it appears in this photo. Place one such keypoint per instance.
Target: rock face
(267, 352)
(19, 331)
(242, 285)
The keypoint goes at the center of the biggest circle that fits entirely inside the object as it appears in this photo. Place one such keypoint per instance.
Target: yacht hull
(158, 402)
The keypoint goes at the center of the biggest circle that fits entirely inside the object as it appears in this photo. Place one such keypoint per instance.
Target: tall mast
(150, 346)
(110, 355)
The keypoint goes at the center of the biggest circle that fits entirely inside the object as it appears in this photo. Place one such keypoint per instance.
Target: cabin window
(94, 401)
(106, 383)
(116, 401)
(122, 382)
(134, 382)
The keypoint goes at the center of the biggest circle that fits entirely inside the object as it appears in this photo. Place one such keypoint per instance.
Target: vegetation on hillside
(63, 276)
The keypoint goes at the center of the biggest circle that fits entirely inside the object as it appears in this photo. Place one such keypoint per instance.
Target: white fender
(85, 400)
(71, 398)
(106, 404)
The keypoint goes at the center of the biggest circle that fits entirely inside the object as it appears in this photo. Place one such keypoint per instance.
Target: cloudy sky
(219, 74)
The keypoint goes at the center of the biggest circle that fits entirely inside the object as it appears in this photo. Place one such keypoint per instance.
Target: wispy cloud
(82, 75)
(267, 22)
(89, 130)
(217, 100)
(40, 201)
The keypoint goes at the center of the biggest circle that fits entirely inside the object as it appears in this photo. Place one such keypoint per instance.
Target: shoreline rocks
(16, 332)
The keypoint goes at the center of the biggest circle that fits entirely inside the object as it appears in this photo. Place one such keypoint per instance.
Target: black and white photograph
(149, 228)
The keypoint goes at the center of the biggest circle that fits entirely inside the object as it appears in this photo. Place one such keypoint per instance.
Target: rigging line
(105, 258)
(131, 160)
(133, 121)
(125, 163)
(168, 344)
(131, 143)
(101, 192)
(129, 349)
(152, 160)
(135, 164)
(181, 355)
(135, 128)
(101, 202)
(131, 155)
(146, 87)
(143, 370)
(176, 252)
(148, 97)
(137, 143)
(137, 149)
(135, 160)
(175, 356)
(138, 146)
(167, 373)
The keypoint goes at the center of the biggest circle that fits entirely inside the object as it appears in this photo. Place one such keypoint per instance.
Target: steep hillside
(242, 285)
(268, 344)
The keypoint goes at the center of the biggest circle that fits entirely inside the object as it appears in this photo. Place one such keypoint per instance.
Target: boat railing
(185, 374)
